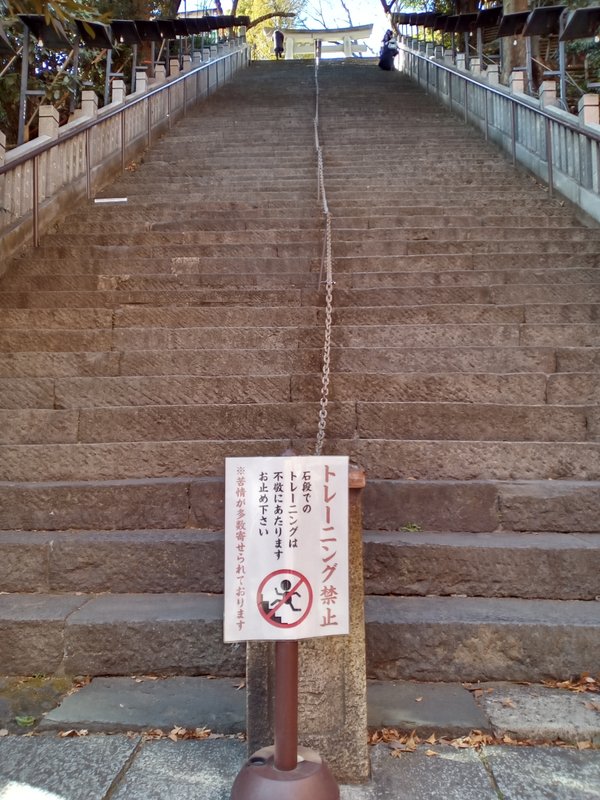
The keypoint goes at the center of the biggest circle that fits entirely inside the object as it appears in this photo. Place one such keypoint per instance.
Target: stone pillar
(517, 81)
(48, 124)
(429, 49)
(347, 47)
(289, 48)
(438, 52)
(89, 103)
(141, 81)
(206, 54)
(214, 51)
(197, 58)
(589, 109)
(187, 63)
(475, 66)
(460, 60)
(173, 67)
(548, 93)
(492, 73)
(118, 91)
(332, 716)
(160, 73)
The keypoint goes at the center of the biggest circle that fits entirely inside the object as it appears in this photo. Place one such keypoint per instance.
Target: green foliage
(260, 35)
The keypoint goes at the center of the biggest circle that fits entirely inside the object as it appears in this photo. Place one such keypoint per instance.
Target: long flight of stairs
(143, 343)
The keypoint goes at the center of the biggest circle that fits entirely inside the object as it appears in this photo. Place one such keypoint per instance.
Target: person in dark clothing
(388, 52)
(278, 43)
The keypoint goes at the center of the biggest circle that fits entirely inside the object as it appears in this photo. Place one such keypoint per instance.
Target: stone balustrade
(63, 165)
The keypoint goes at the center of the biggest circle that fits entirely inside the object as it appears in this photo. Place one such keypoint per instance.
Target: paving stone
(539, 712)
(44, 768)
(521, 773)
(123, 704)
(453, 774)
(185, 770)
(443, 709)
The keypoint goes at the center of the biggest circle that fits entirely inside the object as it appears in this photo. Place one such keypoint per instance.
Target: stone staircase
(142, 343)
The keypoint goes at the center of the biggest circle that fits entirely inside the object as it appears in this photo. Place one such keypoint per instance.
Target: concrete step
(381, 458)
(83, 634)
(389, 505)
(398, 563)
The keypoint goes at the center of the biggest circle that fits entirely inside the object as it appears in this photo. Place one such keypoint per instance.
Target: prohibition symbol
(285, 598)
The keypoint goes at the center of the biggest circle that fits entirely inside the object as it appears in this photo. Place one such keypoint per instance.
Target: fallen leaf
(432, 739)
(418, 699)
(508, 703)
(584, 745)
(431, 753)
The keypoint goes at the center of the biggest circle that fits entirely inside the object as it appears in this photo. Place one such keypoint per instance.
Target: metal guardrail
(28, 179)
(560, 150)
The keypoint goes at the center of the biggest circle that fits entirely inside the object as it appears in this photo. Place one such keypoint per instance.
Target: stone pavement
(117, 759)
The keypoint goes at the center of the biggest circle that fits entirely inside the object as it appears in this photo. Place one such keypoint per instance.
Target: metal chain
(327, 266)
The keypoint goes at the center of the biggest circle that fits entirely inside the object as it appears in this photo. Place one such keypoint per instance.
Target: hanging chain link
(327, 267)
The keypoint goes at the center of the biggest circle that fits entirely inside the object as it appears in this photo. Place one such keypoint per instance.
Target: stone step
(389, 505)
(109, 390)
(111, 298)
(434, 638)
(398, 563)
(433, 335)
(422, 563)
(381, 458)
(454, 277)
(483, 422)
(182, 317)
(386, 360)
(463, 638)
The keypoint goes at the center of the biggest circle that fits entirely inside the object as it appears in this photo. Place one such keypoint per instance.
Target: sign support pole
(286, 708)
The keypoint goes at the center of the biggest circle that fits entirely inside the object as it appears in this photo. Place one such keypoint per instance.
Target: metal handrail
(577, 166)
(43, 147)
(35, 152)
(518, 101)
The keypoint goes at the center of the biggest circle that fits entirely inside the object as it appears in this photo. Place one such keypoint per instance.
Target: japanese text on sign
(286, 547)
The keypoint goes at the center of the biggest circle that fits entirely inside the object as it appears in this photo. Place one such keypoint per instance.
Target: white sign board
(286, 547)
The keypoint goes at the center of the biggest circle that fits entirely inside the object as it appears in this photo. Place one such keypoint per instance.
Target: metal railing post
(123, 141)
(513, 125)
(88, 164)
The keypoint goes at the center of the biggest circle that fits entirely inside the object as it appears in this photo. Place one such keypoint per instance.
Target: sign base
(310, 780)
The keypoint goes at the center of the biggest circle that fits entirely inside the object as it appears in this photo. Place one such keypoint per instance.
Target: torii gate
(301, 41)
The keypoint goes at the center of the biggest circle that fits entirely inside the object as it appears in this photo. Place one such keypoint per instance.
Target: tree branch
(271, 15)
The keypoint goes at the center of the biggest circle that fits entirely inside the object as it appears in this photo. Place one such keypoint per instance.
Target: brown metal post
(286, 706)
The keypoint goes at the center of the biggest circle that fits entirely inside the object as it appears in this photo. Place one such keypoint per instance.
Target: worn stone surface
(107, 504)
(136, 561)
(558, 505)
(524, 774)
(426, 708)
(467, 421)
(69, 769)
(432, 505)
(24, 561)
(450, 773)
(443, 638)
(183, 771)
(483, 564)
(539, 712)
(123, 704)
(32, 632)
(143, 633)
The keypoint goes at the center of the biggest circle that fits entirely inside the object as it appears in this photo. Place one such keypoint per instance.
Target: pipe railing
(549, 142)
(40, 179)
